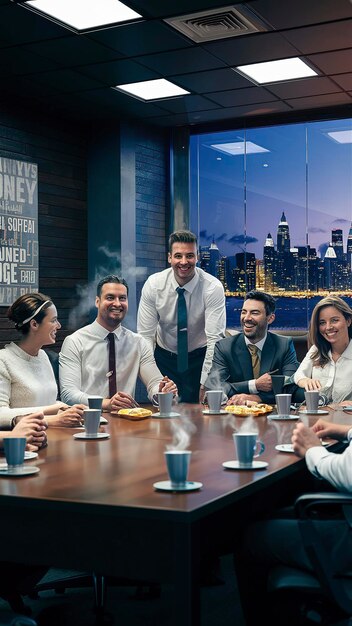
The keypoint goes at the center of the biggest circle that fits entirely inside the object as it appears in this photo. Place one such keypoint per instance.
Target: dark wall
(60, 152)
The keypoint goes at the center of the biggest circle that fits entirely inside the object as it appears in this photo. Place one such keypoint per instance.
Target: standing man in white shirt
(182, 314)
(105, 359)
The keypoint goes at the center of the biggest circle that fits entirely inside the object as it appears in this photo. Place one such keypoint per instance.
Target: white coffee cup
(246, 445)
(177, 462)
(312, 400)
(213, 399)
(283, 403)
(91, 421)
(165, 402)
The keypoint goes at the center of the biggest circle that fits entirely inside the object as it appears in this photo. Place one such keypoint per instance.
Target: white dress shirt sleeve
(336, 468)
(215, 324)
(147, 317)
(148, 370)
(70, 373)
(305, 369)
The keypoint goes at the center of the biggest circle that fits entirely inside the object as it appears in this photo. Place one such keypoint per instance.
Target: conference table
(93, 507)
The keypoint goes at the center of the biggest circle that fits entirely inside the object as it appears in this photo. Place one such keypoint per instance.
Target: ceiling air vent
(230, 21)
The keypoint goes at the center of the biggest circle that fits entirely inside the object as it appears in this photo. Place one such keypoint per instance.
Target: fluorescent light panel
(84, 14)
(239, 147)
(152, 89)
(275, 71)
(341, 136)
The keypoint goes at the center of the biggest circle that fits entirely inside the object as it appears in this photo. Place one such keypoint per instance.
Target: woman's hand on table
(309, 384)
(72, 417)
(32, 427)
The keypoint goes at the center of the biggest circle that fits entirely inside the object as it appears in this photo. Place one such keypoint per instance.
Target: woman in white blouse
(328, 363)
(27, 381)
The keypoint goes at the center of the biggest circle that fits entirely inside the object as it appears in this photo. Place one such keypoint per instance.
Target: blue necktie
(182, 341)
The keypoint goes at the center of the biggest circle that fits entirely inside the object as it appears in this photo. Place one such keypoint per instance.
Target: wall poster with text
(18, 229)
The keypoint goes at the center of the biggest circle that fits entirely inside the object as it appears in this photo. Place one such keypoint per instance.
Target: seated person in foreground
(245, 376)
(328, 363)
(277, 540)
(27, 381)
(86, 367)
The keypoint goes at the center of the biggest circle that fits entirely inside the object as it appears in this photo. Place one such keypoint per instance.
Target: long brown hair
(315, 338)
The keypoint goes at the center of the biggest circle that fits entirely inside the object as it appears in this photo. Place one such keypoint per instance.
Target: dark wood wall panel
(60, 151)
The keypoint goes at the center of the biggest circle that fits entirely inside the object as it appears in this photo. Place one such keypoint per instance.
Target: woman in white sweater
(27, 381)
(328, 363)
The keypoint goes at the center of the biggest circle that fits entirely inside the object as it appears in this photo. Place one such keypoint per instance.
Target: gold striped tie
(255, 359)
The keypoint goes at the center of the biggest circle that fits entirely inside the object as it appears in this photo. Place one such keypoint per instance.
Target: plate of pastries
(135, 414)
(244, 410)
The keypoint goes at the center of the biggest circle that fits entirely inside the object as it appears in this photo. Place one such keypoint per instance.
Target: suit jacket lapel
(244, 359)
(268, 355)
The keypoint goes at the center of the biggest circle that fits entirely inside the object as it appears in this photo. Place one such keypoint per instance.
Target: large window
(272, 208)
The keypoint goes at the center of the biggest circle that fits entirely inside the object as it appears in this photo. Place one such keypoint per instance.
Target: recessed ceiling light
(83, 15)
(275, 71)
(152, 89)
(239, 147)
(341, 136)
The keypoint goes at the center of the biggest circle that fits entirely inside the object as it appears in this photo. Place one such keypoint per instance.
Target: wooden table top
(120, 471)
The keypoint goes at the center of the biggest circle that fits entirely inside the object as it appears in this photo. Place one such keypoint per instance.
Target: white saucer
(24, 471)
(288, 447)
(221, 412)
(30, 455)
(283, 417)
(347, 408)
(165, 485)
(97, 436)
(235, 465)
(319, 412)
(103, 420)
(165, 415)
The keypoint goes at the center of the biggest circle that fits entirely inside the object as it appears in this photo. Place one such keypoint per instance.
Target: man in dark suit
(242, 364)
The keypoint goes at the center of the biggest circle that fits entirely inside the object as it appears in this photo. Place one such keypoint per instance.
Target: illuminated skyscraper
(269, 263)
(284, 259)
(330, 268)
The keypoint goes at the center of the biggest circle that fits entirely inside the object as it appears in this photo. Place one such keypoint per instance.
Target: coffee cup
(95, 402)
(165, 402)
(213, 399)
(177, 462)
(278, 383)
(14, 452)
(91, 421)
(248, 447)
(312, 400)
(283, 404)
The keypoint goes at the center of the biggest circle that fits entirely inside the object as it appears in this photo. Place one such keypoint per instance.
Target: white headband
(34, 314)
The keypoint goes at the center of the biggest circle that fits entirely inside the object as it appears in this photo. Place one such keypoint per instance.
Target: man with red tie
(105, 358)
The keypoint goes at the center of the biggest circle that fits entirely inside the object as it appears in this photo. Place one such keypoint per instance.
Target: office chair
(326, 596)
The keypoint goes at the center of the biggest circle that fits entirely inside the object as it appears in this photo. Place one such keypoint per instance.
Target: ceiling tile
(283, 14)
(320, 101)
(344, 80)
(72, 50)
(242, 96)
(66, 81)
(333, 62)
(18, 25)
(211, 80)
(166, 8)
(304, 87)
(141, 38)
(187, 103)
(252, 48)
(15, 61)
(119, 72)
(336, 35)
(194, 59)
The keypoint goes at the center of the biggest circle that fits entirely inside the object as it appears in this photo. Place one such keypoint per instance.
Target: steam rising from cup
(182, 429)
